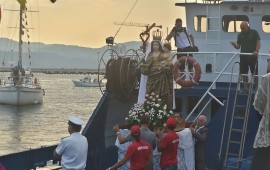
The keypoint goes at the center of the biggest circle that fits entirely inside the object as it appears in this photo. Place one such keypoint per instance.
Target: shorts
(248, 62)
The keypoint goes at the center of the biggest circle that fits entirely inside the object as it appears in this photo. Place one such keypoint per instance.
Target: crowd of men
(176, 146)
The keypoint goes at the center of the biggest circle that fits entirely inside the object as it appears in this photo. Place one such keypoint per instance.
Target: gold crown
(164, 41)
(157, 35)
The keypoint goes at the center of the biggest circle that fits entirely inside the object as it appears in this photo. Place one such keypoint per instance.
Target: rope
(121, 76)
(125, 18)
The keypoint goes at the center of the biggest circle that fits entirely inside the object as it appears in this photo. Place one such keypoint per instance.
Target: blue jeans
(172, 167)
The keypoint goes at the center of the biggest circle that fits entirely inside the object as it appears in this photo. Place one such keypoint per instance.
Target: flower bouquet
(152, 106)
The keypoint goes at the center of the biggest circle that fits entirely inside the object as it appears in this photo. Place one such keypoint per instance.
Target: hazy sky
(88, 22)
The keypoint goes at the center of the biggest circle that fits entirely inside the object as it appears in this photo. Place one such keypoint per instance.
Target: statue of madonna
(158, 68)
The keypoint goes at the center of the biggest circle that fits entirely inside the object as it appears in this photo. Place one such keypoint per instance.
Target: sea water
(34, 126)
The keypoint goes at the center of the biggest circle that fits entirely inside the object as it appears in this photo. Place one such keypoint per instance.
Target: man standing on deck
(200, 133)
(73, 149)
(167, 145)
(249, 42)
(139, 153)
(146, 134)
(184, 41)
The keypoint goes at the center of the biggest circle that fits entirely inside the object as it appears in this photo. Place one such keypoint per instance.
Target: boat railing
(233, 57)
(22, 80)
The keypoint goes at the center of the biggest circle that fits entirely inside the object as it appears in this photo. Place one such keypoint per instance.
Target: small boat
(87, 82)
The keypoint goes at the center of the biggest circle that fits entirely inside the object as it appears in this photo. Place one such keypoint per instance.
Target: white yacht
(21, 87)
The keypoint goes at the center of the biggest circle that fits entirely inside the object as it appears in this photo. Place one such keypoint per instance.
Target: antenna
(135, 24)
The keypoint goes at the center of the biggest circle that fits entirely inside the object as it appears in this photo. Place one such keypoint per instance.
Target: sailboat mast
(20, 39)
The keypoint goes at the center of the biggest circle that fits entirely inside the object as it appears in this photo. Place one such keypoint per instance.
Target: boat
(21, 87)
(214, 24)
(87, 82)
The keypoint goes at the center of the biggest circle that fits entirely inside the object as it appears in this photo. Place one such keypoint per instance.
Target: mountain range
(57, 55)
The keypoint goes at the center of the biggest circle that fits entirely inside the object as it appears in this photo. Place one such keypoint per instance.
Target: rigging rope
(125, 18)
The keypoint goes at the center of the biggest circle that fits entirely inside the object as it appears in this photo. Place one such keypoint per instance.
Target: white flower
(159, 100)
(165, 107)
(157, 105)
(157, 96)
(152, 93)
(153, 99)
(147, 95)
(126, 118)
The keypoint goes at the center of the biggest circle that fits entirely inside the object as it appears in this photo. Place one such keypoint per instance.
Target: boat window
(231, 23)
(266, 23)
(200, 23)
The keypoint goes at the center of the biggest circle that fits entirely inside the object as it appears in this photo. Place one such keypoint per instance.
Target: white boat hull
(18, 95)
(86, 84)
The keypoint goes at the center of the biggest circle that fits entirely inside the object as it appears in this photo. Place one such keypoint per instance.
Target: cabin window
(231, 23)
(200, 23)
(266, 23)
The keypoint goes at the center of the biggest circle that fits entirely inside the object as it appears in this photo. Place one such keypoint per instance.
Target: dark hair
(159, 44)
(145, 119)
(178, 20)
(137, 137)
(76, 128)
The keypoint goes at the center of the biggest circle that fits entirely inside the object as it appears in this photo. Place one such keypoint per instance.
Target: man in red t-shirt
(167, 145)
(139, 153)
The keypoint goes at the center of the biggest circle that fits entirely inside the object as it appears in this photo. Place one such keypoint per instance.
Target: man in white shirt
(184, 40)
(73, 149)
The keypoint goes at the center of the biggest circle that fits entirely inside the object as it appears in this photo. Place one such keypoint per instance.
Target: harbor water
(34, 126)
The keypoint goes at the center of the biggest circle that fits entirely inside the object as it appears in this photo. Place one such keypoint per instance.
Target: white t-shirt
(182, 41)
(74, 152)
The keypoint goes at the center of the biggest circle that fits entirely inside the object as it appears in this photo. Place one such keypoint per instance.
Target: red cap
(135, 130)
(171, 121)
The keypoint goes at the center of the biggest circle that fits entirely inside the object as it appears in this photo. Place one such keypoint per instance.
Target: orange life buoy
(181, 80)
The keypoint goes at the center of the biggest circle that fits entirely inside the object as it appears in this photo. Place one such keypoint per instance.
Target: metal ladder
(238, 125)
(213, 27)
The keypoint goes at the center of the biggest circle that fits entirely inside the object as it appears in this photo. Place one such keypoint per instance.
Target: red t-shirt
(169, 145)
(138, 153)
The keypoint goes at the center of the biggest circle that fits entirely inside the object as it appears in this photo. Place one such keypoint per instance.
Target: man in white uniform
(73, 149)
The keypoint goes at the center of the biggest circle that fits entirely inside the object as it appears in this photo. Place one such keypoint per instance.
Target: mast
(20, 39)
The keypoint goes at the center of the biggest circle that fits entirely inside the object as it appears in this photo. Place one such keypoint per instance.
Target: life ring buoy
(181, 80)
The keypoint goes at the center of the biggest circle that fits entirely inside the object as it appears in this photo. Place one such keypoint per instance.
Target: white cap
(75, 120)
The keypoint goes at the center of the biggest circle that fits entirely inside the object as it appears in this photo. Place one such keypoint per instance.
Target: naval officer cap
(75, 120)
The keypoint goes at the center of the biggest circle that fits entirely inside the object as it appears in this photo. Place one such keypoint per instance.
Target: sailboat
(21, 87)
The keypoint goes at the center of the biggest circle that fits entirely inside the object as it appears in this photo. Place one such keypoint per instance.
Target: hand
(192, 130)
(255, 53)
(116, 128)
(158, 132)
(233, 44)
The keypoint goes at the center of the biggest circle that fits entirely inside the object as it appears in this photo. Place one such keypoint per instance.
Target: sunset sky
(88, 22)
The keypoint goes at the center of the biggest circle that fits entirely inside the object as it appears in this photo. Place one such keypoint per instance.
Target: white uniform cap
(75, 120)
